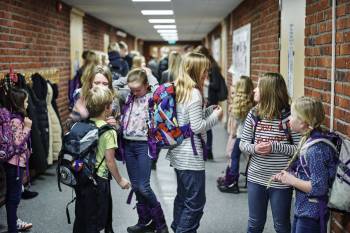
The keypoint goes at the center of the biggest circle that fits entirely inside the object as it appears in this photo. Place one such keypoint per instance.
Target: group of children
(269, 132)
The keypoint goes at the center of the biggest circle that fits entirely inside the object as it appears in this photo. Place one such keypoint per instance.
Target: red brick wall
(318, 51)
(263, 15)
(34, 36)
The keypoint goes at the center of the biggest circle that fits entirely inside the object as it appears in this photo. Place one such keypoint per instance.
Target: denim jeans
(306, 225)
(13, 194)
(235, 157)
(189, 201)
(280, 200)
(138, 165)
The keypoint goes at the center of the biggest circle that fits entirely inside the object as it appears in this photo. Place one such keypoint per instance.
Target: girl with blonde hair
(268, 140)
(314, 166)
(242, 102)
(174, 67)
(190, 168)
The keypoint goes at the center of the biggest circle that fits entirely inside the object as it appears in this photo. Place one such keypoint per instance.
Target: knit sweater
(182, 157)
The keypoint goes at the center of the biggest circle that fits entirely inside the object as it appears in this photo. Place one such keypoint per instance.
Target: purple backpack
(7, 148)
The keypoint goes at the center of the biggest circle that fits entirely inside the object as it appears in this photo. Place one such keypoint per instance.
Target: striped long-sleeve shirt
(262, 167)
(182, 157)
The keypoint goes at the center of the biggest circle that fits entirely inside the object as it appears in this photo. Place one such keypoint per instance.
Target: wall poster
(240, 52)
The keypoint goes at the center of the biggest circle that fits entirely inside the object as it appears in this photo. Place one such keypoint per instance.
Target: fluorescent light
(165, 26)
(167, 30)
(157, 12)
(161, 20)
(151, 0)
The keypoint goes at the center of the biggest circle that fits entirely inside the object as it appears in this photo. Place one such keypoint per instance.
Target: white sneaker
(23, 226)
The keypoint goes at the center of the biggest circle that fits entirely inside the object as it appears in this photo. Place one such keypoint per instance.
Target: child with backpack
(14, 168)
(188, 157)
(138, 162)
(314, 166)
(241, 104)
(268, 140)
(93, 203)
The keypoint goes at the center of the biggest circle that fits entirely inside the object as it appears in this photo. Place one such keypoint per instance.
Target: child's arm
(197, 123)
(287, 178)
(286, 149)
(246, 144)
(113, 169)
(21, 133)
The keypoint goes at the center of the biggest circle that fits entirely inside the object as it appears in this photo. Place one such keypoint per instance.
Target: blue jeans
(280, 200)
(189, 201)
(306, 225)
(138, 165)
(235, 157)
(13, 194)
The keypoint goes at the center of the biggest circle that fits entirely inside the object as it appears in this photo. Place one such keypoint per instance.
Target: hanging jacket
(37, 160)
(39, 93)
(55, 130)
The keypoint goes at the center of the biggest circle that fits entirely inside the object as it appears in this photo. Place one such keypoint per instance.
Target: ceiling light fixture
(165, 26)
(167, 30)
(157, 12)
(151, 0)
(161, 20)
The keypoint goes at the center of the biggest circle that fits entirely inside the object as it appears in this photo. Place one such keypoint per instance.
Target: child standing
(190, 168)
(243, 101)
(93, 203)
(315, 164)
(138, 163)
(14, 168)
(267, 138)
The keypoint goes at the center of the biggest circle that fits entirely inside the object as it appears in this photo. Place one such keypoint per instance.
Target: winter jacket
(214, 85)
(118, 64)
(55, 130)
(163, 66)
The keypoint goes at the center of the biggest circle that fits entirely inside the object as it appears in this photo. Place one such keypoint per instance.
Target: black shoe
(233, 188)
(26, 194)
(154, 165)
(210, 155)
(151, 227)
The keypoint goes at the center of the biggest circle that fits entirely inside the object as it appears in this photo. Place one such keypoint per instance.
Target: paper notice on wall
(291, 60)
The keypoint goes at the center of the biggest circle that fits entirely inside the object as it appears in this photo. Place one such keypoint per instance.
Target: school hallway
(223, 213)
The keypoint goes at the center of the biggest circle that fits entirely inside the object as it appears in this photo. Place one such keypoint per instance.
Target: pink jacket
(21, 134)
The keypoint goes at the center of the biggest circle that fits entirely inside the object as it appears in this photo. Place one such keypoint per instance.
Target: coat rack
(51, 74)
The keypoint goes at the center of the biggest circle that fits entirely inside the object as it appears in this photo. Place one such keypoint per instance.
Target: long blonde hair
(310, 111)
(87, 85)
(138, 61)
(243, 99)
(273, 95)
(174, 64)
(192, 69)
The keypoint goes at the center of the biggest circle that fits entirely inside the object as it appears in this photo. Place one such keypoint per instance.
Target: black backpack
(78, 154)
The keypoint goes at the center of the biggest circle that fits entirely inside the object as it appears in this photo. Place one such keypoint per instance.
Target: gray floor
(224, 213)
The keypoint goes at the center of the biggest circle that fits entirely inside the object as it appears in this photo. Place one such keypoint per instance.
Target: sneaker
(23, 226)
(232, 188)
(26, 194)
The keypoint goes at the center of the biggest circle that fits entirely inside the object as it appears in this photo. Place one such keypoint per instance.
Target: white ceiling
(194, 18)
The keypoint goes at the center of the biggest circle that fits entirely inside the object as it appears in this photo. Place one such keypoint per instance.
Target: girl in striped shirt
(270, 143)
(189, 168)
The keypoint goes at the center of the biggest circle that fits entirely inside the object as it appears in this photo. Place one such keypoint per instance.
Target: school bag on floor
(164, 131)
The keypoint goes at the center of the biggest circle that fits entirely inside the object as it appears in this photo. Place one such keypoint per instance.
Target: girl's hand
(111, 120)
(285, 178)
(124, 183)
(263, 148)
(27, 123)
(219, 112)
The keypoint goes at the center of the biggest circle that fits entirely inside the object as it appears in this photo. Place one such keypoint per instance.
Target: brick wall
(263, 15)
(33, 35)
(318, 50)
